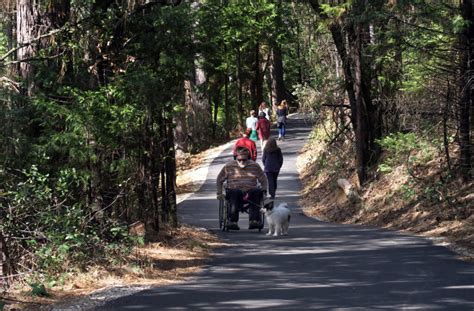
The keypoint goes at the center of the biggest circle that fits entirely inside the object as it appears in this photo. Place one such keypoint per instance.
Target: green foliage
(244, 25)
(426, 45)
(321, 133)
(224, 31)
(384, 168)
(309, 62)
(399, 143)
(459, 24)
(79, 145)
(408, 191)
(410, 148)
(38, 290)
(85, 155)
(335, 11)
(436, 192)
(3, 42)
(71, 186)
(65, 231)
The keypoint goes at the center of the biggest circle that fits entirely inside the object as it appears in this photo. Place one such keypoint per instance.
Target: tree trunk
(276, 73)
(365, 117)
(227, 119)
(361, 132)
(202, 106)
(278, 90)
(257, 81)
(155, 159)
(217, 98)
(373, 115)
(467, 91)
(445, 125)
(162, 132)
(26, 17)
(170, 170)
(197, 108)
(338, 37)
(7, 118)
(181, 132)
(191, 119)
(3, 262)
(146, 173)
(240, 103)
(299, 57)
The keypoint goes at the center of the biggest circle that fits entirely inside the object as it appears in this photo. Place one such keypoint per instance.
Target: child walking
(272, 159)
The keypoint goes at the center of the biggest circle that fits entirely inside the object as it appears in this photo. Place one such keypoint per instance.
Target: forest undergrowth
(410, 188)
(173, 255)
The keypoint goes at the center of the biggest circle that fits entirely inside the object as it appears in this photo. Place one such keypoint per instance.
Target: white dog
(278, 218)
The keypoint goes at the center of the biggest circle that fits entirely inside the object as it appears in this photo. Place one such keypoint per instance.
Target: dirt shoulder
(176, 254)
(416, 200)
(192, 170)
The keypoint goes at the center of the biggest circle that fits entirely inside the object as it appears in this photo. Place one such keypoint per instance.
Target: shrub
(60, 234)
(405, 148)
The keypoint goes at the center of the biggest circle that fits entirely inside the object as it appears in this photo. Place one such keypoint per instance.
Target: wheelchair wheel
(223, 215)
(221, 208)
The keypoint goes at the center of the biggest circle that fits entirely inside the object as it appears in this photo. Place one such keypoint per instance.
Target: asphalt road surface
(318, 265)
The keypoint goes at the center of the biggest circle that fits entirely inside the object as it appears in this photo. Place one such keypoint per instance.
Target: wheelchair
(225, 207)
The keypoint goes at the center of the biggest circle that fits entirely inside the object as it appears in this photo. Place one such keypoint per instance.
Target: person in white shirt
(263, 108)
(251, 123)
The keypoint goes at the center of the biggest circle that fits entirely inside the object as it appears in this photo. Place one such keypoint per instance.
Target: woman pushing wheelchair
(243, 176)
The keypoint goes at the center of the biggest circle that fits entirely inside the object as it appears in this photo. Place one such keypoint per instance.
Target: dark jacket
(281, 116)
(272, 160)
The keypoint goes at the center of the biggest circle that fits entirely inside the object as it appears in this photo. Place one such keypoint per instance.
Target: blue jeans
(281, 130)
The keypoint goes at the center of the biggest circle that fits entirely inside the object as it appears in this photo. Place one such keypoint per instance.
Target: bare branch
(10, 84)
(25, 44)
(336, 106)
(31, 59)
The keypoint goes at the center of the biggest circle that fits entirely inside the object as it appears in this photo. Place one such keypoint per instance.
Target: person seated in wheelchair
(242, 176)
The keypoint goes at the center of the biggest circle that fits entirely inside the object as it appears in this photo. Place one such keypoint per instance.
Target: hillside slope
(407, 191)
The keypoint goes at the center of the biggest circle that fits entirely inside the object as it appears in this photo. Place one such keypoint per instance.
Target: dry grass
(419, 200)
(192, 170)
(177, 254)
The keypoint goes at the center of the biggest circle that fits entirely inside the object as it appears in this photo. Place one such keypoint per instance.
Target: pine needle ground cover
(175, 254)
(410, 189)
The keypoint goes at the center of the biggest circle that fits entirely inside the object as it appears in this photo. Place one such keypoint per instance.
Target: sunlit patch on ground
(390, 200)
(176, 255)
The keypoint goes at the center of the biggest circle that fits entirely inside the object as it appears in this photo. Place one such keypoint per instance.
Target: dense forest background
(98, 98)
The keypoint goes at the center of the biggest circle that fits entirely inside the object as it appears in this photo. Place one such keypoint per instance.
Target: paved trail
(318, 266)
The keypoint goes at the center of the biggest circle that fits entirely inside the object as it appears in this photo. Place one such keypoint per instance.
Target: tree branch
(25, 44)
(31, 59)
(336, 106)
(9, 83)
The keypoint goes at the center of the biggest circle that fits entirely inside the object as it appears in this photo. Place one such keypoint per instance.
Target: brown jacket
(243, 178)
